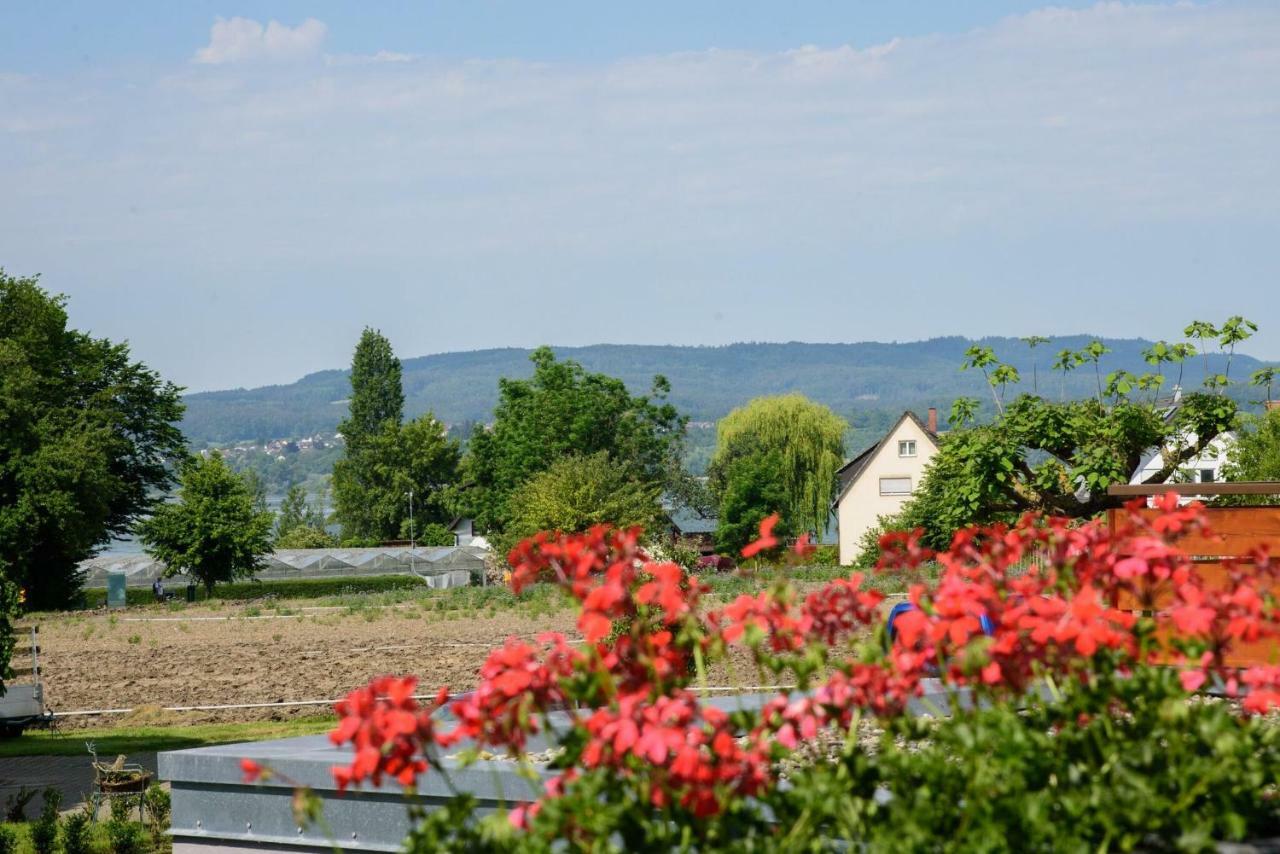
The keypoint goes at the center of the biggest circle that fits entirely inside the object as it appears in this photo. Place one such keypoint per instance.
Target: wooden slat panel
(1250, 487)
(1240, 529)
(1236, 530)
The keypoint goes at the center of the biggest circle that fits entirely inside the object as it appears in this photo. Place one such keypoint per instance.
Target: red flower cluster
(687, 749)
(1012, 605)
(516, 683)
(388, 729)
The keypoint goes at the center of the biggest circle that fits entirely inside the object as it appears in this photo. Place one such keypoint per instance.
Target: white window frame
(906, 478)
(905, 445)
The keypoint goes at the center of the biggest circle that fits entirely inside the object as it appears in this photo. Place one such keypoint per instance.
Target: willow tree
(808, 439)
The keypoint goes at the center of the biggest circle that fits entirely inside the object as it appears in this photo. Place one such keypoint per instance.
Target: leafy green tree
(578, 492)
(305, 537)
(563, 411)
(86, 438)
(213, 533)
(1255, 455)
(293, 511)
(1060, 457)
(435, 534)
(371, 486)
(386, 460)
(809, 441)
(296, 513)
(753, 488)
(377, 396)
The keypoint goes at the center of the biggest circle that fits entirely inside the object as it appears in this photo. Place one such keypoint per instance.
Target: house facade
(1205, 468)
(878, 481)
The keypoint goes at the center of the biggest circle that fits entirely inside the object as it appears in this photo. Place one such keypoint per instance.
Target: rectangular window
(907, 448)
(1206, 475)
(895, 486)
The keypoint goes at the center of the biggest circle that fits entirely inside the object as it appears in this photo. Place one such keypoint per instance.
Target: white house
(878, 481)
(1205, 468)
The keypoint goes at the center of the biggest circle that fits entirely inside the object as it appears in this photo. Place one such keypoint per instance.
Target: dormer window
(907, 448)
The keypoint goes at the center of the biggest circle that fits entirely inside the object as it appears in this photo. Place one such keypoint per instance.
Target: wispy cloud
(233, 40)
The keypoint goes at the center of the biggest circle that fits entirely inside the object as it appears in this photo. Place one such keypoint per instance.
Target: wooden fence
(1234, 532)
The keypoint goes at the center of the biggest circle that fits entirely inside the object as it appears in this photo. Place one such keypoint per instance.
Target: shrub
(75, 833)
(15, 805)
(124, 834)
(1067, 724)
(8, 840)
(303, 588)
(44, 830)
(305, 537)
(157, 806)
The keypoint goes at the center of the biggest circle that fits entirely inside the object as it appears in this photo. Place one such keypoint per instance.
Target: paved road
(71, 774)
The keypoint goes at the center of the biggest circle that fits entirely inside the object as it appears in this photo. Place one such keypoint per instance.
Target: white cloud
(368, 59)
(246, 40)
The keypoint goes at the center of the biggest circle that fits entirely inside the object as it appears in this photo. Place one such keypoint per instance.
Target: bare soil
(147, 659)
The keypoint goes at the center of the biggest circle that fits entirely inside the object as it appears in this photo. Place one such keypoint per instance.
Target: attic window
(1206, 475)
(895, 486)
(907, 448)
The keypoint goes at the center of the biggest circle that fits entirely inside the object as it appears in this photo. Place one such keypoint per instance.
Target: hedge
(309, 588)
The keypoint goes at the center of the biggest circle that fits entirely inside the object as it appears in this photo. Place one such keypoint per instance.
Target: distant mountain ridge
(865, 382)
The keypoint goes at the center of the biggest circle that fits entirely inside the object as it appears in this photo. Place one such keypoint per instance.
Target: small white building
(878, 481)
(1205, 468)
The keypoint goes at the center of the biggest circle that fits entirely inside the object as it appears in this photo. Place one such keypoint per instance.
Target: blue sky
(238, 188)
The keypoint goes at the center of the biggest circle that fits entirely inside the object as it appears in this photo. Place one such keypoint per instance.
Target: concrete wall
(862, 504)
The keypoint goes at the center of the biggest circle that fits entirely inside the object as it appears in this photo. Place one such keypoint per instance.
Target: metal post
(413, 564)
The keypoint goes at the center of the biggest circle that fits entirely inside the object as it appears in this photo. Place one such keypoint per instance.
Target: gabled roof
(852, 470)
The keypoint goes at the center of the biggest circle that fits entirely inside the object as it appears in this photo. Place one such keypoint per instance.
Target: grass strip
(111, 741)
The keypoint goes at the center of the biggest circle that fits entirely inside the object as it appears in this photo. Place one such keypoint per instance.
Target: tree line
(90, 449)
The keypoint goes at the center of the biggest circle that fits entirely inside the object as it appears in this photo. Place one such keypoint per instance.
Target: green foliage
(9, 606)
(125, 836)
(564, 411)
(1060, 457)
(435, 534)
(1255, 455)
(1167, 774)
(214, 533)
(15, 804)
(371, 484)
(310, 588)
(753, 488)
(306, 537)
(804, 442)
(575, 493)
(293, 511)
(8, 839)
(385, 460)
(377, 397)
(157, 806)
(75, 833)
(85, 438)
(300, 525)
(279, 472)
(44, 830)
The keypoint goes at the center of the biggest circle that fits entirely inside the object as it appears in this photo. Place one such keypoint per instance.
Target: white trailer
(23, 702)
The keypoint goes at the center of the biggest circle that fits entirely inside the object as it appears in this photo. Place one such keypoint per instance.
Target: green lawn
(116, 740)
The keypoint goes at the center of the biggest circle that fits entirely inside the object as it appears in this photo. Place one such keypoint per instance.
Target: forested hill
(865, 382)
